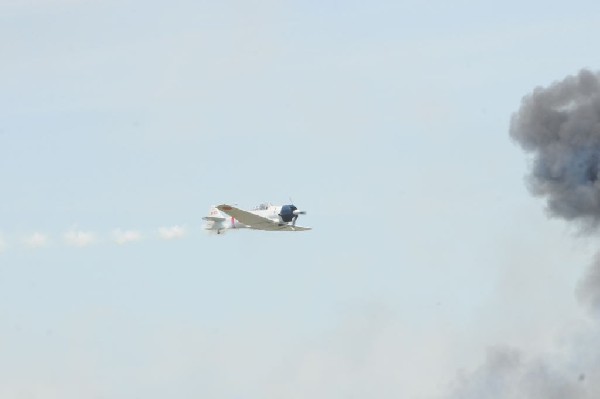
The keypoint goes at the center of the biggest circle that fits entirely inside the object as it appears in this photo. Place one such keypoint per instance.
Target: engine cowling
(287, 213)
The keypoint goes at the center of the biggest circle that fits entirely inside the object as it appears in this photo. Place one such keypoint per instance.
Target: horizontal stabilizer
(213, 219)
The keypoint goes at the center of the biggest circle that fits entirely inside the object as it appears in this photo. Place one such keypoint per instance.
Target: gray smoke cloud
(560, 126)
(588, 290)
(510, 374)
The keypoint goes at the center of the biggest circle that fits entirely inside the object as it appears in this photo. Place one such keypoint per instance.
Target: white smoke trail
(126, 236)
(79, 239)
(36, 240)
(172, 233)
(82, 239)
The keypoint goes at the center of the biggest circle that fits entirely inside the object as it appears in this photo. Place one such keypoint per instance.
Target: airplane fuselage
(219, 221)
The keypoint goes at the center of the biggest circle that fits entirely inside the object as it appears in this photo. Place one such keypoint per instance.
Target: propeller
(296, 213)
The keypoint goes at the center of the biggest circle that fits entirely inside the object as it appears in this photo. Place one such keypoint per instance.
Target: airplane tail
(215, 221)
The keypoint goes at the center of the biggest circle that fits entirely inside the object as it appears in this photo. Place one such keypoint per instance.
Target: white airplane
(263, 217)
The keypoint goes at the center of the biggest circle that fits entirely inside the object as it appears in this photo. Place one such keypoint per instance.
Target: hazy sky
(122, 122)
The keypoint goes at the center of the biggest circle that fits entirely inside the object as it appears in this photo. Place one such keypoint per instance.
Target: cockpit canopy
(262, 207)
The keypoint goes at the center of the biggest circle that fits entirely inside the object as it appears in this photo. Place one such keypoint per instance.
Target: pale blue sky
(386, 121)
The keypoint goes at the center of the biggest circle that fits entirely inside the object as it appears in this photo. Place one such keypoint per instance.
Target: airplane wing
(257, 222)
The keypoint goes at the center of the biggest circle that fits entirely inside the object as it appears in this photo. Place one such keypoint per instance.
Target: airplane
(263, 217)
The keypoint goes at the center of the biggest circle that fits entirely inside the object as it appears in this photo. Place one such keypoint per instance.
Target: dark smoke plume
(560, 126)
